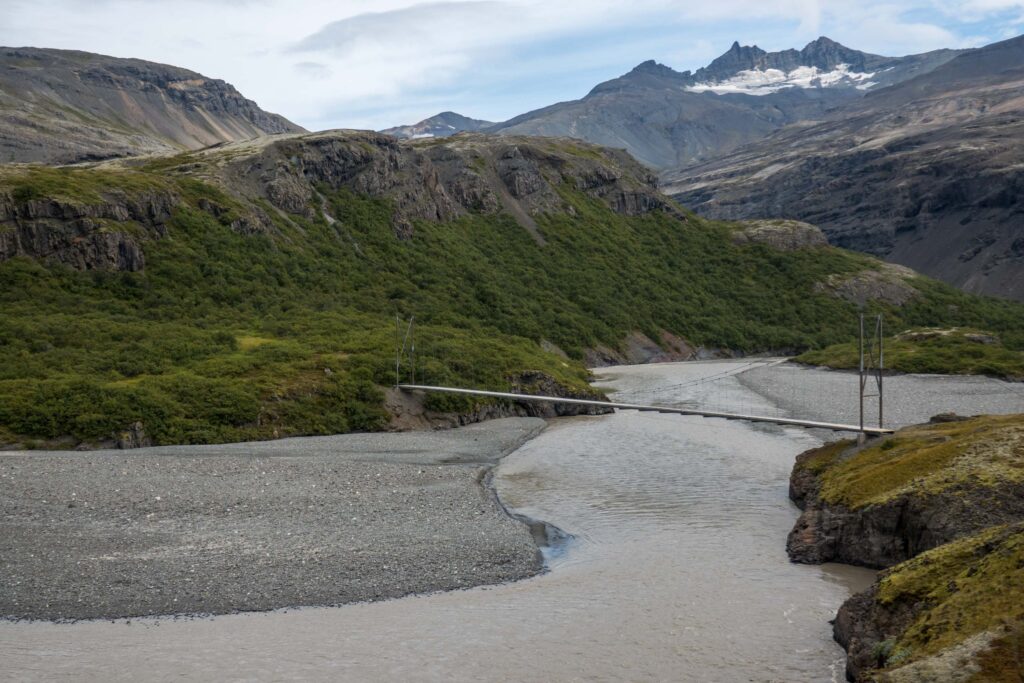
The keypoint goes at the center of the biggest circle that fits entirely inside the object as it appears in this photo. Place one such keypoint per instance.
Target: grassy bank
(947, 496)
(923, 460)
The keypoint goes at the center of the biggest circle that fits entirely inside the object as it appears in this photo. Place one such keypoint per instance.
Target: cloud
(439, 25)
(314, 70)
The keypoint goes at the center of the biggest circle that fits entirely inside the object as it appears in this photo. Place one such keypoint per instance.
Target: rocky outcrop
(779, 234)
(62, 106)
(888, 529)
(942, 506)
(952, 614)
(890, 284)
(103, 234)
(408, 409)
(882, 535)
(133, 437)
(440, 181)
(637, 349)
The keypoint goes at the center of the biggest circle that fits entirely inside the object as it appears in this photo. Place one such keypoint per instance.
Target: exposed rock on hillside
(438, 181)
(61, 106)
(49, 214)
(889, 284)
(780, 234)
(409, 410)
(953, 614)
(98, 232)
(944, 503)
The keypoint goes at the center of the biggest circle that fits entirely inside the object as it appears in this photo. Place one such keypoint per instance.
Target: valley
(211, 464)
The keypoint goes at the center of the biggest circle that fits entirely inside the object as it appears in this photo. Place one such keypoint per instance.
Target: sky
(374, 64)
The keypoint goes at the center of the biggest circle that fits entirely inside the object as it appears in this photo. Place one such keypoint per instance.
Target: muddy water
(677, 572)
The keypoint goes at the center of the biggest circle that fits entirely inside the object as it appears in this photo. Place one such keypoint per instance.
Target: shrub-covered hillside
(250, 291)
(953, 351)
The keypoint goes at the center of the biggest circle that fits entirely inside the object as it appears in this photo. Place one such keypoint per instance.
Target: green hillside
(953, 351)
(250, 321)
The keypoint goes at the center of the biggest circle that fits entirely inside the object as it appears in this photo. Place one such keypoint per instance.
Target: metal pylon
(872, 363)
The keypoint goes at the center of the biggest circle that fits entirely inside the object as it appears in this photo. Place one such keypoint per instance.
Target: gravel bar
(821, 394)
(257, 526)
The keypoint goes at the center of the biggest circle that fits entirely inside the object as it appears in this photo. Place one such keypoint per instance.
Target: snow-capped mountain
(668, 118)
(768, 81)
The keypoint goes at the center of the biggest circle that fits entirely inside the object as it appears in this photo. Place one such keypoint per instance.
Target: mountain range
(927, 173)
(667, 119)
(915, 159)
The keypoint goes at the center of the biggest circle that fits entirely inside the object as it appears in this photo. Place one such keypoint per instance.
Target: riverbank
(257, 526)
(941, 506)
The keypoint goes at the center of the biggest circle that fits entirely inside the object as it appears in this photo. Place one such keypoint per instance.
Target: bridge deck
(659, 409)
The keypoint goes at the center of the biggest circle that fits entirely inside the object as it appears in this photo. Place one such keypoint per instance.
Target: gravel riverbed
(831, 395)
(257, 526)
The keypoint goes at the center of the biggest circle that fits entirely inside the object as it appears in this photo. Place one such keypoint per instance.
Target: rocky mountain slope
(249, 290)
(926, 173)
(60, 106)
(439, 126)
(668, 119)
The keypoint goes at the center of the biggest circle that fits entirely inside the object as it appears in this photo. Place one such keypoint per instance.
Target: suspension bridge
(790, 422)
(871, 368)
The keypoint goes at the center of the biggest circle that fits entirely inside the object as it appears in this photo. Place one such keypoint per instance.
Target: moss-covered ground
(925, 460)
(971, 586)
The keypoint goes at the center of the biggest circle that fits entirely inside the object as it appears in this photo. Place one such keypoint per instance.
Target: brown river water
(677, 571)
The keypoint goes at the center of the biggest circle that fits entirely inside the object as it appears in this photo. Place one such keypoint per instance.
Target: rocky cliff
(101, 218)
(438, 180)
(937, 503)
(61, 106)
(953, 614)
(916, 490)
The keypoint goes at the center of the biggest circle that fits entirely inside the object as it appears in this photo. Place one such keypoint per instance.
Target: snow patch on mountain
(767, 81)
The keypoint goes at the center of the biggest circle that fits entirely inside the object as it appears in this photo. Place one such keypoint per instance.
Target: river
(676, 571)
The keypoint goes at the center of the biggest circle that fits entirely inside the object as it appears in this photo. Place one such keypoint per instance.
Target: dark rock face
(953, 139)
(61, 106)
(860, 625)
(885, 534)
(539, 384)
(133, 437)
(81, 235)
(408, 411)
